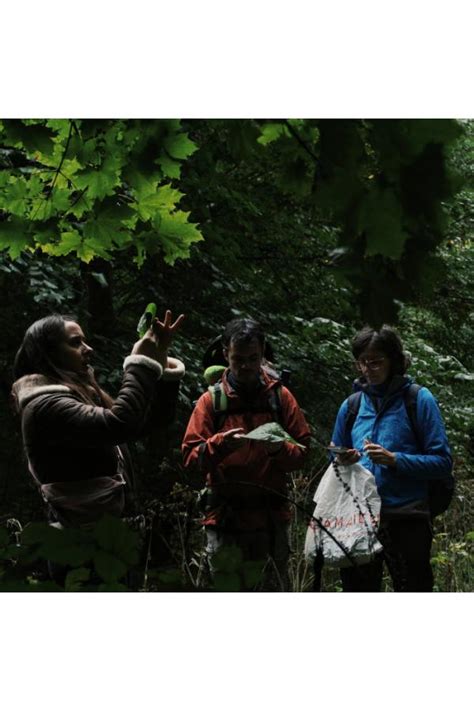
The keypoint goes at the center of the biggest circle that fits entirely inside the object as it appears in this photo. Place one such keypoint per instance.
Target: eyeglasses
(373, 364)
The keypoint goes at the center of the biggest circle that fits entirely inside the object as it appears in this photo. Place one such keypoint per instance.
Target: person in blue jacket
(403, 461)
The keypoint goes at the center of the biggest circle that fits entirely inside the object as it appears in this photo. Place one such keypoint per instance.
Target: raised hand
(165, 330)
(157, 339)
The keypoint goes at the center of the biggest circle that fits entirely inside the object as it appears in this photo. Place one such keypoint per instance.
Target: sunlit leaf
(101, 181)
(177, 235)
(164, 198)
(272, 132)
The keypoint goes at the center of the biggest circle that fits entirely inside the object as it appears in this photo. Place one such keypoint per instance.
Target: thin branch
(302, 143)
(57, 172)
(58, 169)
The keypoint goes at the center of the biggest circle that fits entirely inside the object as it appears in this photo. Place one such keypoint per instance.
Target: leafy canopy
(92, 187)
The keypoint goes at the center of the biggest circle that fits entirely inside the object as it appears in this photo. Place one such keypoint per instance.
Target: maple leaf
(176, 235)
(15, 237)
(171, 168)
(178, 145)
(13, 197)
(102, 181)
(33, 137)
(163, 198)
(72, 241)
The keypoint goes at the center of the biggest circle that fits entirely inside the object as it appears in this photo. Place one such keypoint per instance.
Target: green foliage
(98, 557)
(76, 579)
(453, 546)
(234, 574)
(382, 183)
(94, 187)
(312, 227)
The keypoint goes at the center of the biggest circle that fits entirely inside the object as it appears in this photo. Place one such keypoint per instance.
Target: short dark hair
(387, 341)
(243, 330)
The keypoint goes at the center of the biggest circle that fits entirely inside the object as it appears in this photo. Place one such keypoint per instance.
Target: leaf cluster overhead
(92, 187)
(384, 183)
(96, 187)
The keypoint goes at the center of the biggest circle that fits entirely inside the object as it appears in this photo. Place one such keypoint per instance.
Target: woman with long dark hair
(74, 434)
(397, 432)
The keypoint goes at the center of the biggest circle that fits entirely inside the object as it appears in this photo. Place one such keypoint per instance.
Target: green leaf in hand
(271, 432)
(146, 319)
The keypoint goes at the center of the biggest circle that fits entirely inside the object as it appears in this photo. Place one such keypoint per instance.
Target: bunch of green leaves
(452, 562)
(383, 183)
(233, 573)
(92, 187)
(98, 557)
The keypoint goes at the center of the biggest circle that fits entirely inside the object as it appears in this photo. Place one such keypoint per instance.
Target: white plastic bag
(348, 506)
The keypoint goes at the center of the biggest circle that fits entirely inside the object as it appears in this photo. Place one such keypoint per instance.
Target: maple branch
(302, 143)
(57, 172)
(58, 169)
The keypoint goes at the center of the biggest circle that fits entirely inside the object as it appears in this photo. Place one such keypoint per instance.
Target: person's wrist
(162, 352)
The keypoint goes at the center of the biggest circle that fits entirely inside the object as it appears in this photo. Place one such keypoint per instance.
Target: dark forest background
(313, 227)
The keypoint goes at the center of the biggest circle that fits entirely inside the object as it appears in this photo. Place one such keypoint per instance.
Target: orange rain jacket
(231, 475)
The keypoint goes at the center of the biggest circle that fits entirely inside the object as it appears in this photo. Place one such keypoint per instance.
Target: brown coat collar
(31, 386)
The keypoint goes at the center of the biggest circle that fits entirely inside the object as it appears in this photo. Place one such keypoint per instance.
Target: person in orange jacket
(245, 502)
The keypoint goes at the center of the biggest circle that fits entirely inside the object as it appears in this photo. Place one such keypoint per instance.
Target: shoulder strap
(410, 396)
(218, 397)
(220, 403)
(274, 400)
(353, 405)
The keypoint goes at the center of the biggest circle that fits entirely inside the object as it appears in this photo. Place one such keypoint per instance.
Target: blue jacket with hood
(383, 418)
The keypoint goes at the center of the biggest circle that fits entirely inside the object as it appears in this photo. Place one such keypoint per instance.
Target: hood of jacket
(29, 387)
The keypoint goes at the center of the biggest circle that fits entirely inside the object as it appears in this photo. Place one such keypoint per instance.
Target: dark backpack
(440, 491)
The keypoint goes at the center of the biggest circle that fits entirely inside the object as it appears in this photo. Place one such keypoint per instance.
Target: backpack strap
(218, 397)
(274, 400)
(220, 404)
(409, 399)
(410, 396)
(353, 406)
